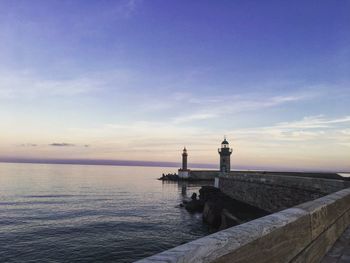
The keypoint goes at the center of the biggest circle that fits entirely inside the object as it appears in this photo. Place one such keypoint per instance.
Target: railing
(229, 150)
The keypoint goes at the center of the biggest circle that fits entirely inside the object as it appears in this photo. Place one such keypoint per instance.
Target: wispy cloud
(312, 128)
(194, 117)
(28, 145)
(313, 122)
(21, 83)
(128, 7)
(55, 144)
(123, 9)
(62, 144)
(216, 107)
(28, 84)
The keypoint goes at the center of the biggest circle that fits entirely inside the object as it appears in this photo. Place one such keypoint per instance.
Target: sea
(91, 213)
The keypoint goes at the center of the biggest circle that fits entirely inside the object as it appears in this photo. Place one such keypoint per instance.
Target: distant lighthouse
(184, 159)
(225, 156)
(184, 171)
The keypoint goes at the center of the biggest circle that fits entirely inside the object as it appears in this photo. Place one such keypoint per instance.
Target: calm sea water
(76, 213)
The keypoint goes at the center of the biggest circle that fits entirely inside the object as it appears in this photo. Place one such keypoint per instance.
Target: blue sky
(137, 80)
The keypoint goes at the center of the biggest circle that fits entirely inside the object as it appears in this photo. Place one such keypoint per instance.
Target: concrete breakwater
(208, 175)
(309, 216)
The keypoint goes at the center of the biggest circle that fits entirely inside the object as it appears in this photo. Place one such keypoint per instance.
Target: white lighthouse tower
(225, 156)
(184, 172)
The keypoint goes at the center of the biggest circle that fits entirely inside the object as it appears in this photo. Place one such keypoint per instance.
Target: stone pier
(310, 214)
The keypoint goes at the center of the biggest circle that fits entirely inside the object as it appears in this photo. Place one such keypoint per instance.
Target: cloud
(194, 117)
(130, 6)
(311, 128)
(345, 132)
(313, 122)
(217, 106)
(62, 144)
(28, 84)
(141, 135)
(55, 144)
(28, 145)
(123, 9)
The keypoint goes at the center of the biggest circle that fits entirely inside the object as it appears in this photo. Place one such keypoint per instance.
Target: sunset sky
(138, 80)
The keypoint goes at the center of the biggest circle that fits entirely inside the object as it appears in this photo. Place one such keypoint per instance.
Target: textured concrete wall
(277, 192)
(210, 174)
(303, 233)
(329, 217)
(203, 174)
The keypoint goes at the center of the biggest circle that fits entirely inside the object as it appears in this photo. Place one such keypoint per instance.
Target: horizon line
(110, 162)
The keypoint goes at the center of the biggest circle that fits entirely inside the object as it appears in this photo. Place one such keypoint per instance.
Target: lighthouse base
(184, 173)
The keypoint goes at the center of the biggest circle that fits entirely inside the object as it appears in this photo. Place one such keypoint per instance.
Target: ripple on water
(64, 213)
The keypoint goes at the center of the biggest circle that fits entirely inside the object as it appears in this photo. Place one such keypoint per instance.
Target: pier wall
(203, 174)
(303, 233)
(211, 174)
(276, 192)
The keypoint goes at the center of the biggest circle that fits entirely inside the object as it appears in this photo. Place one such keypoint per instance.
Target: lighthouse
(225, 156)
(184, 159)
(183, 171)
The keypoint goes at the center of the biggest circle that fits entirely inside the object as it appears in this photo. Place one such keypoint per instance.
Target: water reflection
(187, 188)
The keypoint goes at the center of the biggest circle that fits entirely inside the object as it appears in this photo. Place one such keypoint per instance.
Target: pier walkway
(340, 252)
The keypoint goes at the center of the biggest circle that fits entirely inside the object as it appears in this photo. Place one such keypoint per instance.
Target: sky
(139, 80)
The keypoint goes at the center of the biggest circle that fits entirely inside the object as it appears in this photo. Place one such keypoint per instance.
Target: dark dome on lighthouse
(224, 141)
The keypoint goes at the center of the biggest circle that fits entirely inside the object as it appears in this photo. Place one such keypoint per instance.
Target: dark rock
(194, 206)
(220, 211)
(169, 177)
(212, 213)
(194, 196)
(209, 193)
(228, 220)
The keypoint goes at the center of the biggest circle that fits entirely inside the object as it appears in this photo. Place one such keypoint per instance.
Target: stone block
(320, 246)
(286, 237)
(326, 210)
